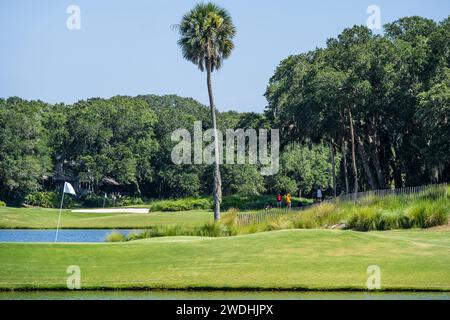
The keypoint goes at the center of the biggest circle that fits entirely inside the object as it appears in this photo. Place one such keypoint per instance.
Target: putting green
(289, 259)
(40, 218)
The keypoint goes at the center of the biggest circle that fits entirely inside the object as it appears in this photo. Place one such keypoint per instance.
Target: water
(219, 295)
(65, 235)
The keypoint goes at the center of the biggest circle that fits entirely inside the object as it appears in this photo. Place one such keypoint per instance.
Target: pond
(65, 235)
(219, 295)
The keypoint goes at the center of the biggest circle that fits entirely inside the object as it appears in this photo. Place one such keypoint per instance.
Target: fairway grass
(40, 218)
(287, 259)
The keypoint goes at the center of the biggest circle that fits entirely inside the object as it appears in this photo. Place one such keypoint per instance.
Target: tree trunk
(380, 176)
(333, 167)
(217, 192)
(344, 155)
(366, 165)
(398, 181)
(352, 134)
(376, 160)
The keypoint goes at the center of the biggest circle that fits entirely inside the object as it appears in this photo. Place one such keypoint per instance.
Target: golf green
(289, 259)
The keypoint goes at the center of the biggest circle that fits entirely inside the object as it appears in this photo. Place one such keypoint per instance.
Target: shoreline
(204, 289)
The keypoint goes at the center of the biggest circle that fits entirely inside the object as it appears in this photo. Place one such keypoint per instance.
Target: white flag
(69, 189)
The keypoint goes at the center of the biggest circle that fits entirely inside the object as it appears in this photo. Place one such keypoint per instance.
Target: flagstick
(59, 218)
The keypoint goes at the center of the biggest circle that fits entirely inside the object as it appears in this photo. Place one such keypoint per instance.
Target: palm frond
(206, 34)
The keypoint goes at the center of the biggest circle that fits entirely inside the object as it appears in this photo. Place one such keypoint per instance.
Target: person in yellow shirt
(288, 200)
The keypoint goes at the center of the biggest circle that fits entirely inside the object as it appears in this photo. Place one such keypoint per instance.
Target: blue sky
(129, 47)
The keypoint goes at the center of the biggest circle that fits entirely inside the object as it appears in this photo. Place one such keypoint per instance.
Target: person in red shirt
(279, 199)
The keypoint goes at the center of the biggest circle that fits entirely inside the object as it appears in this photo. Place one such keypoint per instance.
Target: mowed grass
(287, 259)
(40, 218)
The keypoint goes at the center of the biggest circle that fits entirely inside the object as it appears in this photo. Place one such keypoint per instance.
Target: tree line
(380, 101)
(365, 112)
(128, 140)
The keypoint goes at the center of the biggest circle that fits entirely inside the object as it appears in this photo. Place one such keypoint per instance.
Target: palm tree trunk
(217, 192)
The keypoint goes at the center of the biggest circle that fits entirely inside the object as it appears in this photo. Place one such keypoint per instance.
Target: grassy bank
(39, 218)
(290, 259)
(371, 213)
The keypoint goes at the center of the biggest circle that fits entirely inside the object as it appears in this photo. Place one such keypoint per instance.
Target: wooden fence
(435, 191)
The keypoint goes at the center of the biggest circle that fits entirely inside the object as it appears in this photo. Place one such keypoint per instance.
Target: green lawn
(40, 218)
(309, 259)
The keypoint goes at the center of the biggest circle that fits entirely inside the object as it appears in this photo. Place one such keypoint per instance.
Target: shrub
(393, 220)
(207, 230)
(115, 237)
(95, 201)
(48, 200)
(210, 230)
(436, 214)
(326, 214)
(255, 202)
(181, 204)
(129, 201)
(2, 203)
(416, 214)
(229, 217)
(365, 219)
(149, 233)
(279, 224)
(304, 224)
(427, 214)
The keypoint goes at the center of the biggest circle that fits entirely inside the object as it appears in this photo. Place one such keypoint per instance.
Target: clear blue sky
(129, 47)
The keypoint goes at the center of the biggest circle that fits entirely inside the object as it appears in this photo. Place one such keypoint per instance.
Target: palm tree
(206, 39)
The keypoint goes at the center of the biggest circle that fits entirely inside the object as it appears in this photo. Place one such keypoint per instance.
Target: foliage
(24, 150)
(242, 179)
(115, 237)
(392, 89)
(387, 213)
(206, 36)
(47, 199)
(2, 203)
(180, 182)
(426, 214)
(212, 229)
(255, 202)
(129, 201)
(380, 99)
(112, 138)
(96, 201)
(184, 204)
(303, 168)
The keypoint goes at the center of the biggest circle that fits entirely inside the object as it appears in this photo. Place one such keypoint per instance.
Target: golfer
(279, 198)
(288, 201)
(319, 194)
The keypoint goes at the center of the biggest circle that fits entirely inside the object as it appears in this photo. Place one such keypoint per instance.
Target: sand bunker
(119, 210)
